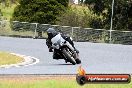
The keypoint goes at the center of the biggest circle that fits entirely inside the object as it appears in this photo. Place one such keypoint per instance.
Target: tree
(0, 14)
(8, 3)
(41, 11)
(63, 2)
(122, 19)
(79, 16)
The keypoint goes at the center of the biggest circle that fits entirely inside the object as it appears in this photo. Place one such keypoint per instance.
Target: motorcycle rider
(52, 33)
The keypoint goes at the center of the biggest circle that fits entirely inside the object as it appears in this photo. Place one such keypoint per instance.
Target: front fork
(76, 55)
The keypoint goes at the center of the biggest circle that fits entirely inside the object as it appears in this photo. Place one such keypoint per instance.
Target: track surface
(96, 57)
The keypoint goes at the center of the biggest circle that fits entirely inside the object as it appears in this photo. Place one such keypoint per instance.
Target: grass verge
(7, 32)
(7, 58)
(51, 82)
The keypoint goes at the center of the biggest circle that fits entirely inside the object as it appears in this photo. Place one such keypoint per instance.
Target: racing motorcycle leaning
(66, 51)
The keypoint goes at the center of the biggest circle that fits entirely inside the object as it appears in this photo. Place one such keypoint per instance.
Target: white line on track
(28, 60)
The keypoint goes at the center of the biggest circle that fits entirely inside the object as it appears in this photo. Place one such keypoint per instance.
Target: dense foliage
(8, 3)
(41, 11)
(79, 16)
(50, 11)
(122, 19)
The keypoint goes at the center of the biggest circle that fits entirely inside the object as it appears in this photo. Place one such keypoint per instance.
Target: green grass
(6, 32)
(7, 58)
(5, 29)
(55, 84)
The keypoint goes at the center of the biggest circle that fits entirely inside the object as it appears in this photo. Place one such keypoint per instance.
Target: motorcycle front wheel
(69, 57)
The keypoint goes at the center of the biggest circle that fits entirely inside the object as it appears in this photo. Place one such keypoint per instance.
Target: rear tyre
(69, 57)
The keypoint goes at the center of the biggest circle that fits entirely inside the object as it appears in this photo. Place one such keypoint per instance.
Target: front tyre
(69, 57)
(78, 61)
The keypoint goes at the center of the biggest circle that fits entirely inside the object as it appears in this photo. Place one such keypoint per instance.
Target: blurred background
(84, 20)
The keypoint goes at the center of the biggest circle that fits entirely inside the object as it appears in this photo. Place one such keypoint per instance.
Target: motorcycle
(66, 51)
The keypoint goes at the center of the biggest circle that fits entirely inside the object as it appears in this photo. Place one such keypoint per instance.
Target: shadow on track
(63, 64)
(56, 64)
